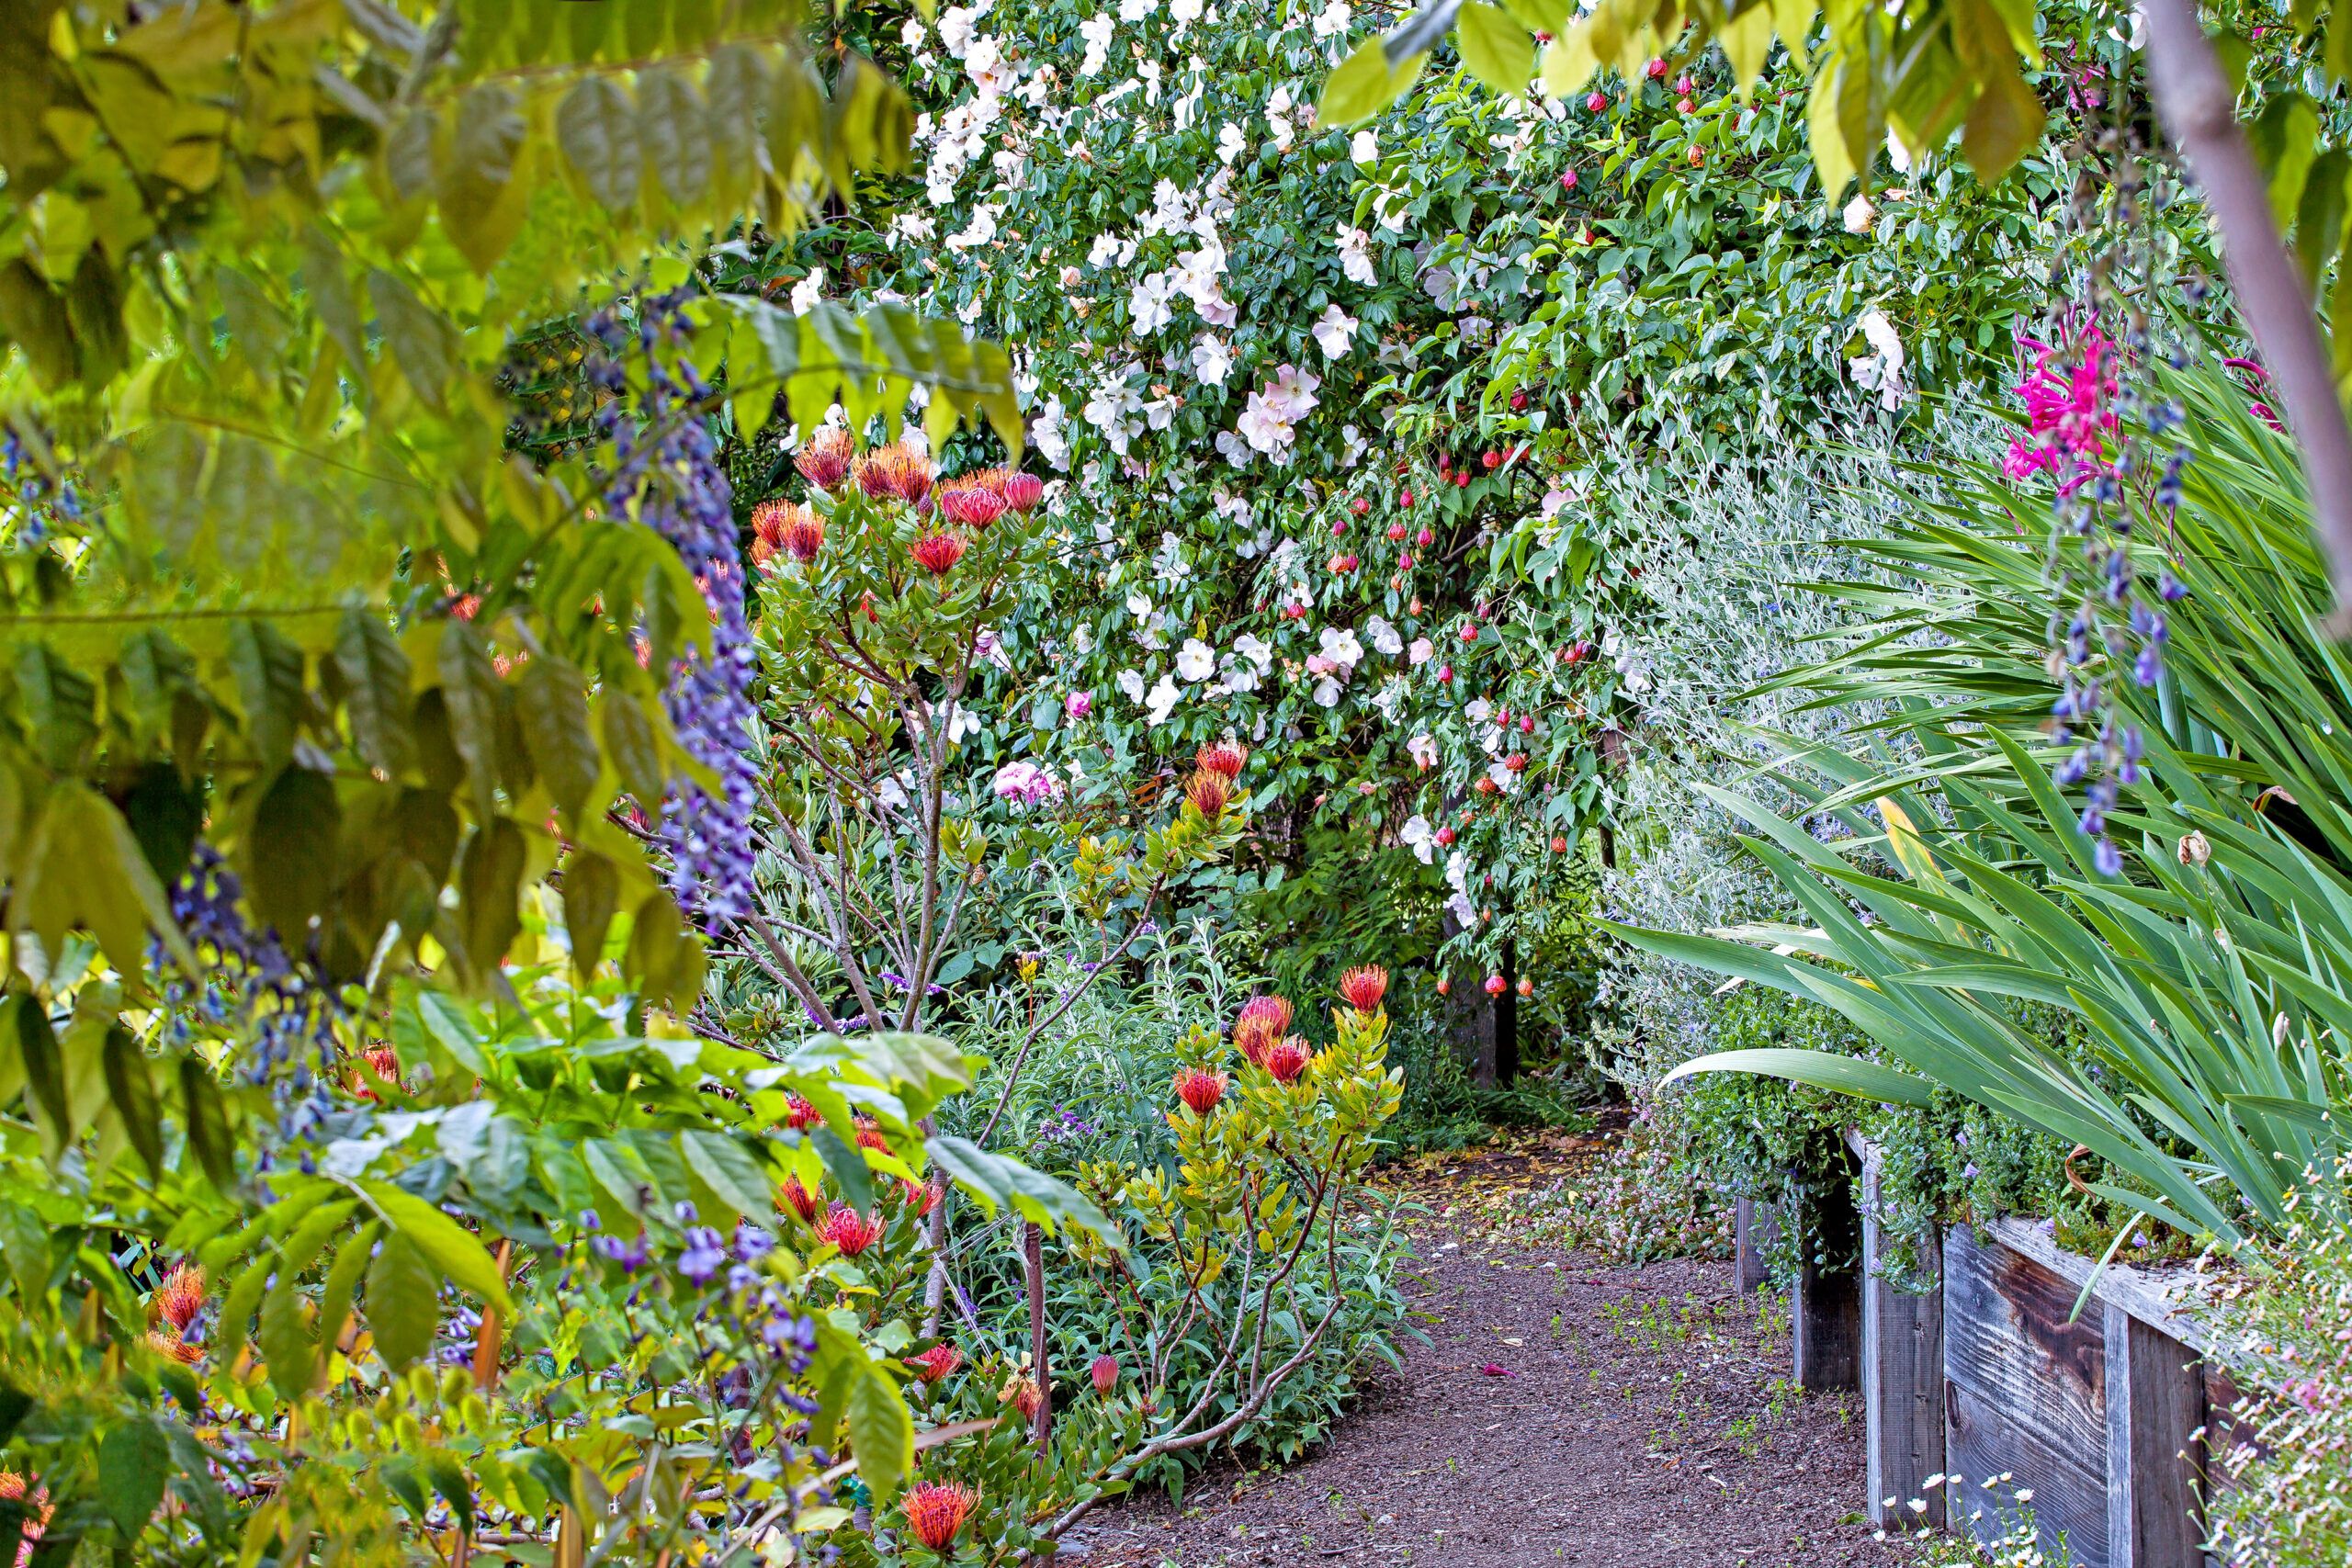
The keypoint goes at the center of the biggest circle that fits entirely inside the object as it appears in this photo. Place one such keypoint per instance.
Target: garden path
(1563, 1411)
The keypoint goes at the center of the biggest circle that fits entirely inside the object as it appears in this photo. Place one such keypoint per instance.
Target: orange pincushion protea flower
(179, 1298)
(824, 461)
(850, 1232)
(798, 1113)
(1362, 987)
(788, 526)
(935, 1511)
(936, 1363)
(937, 553)
(12, 1489)
(1222, 757)
(894, 472)
(1021, 1391)
(1261, 1022)
(1199, 1090)
(1286, 1059)
(800, 1200)
(1209, 792)
(920, 1198)
(869, 1135)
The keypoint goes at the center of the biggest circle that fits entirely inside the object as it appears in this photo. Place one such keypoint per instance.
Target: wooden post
(1756, 1230)
(1032, 1259)
(2025, 1396)
(1827, 1303)
(2155, 1403)
(1902, 1380)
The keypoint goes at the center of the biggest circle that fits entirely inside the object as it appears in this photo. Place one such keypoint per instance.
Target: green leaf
(2003, 124)
(1845, 1074)
(453, 1248)
(636, 754)
(1360, 88)
(1498, 50)
(208, 1138)
(729, 1169)
(596, 128)
(376, 675)
(592, 891)
(846, 1162)
(403, 1311)
(291, 852)
(134, 1460)
(286, 1347)
(881, 1429)
(471, 689)
(670, 126)
(423, 344)
(58, 703)
(44, 1068)
(351, 1261)
(482, 203)
(996, 1181)
(664, 956)
(553, 700)
(490, 884)
(269, 674)
(132, 1089)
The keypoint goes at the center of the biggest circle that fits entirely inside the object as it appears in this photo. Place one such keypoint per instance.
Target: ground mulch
(1562, 1411)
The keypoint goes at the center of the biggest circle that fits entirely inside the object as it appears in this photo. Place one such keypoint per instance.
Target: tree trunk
(2200, 112)
(1032, 1259)
(1507, 1020)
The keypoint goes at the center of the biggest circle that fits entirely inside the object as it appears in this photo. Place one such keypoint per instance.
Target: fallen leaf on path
(1494, 1370)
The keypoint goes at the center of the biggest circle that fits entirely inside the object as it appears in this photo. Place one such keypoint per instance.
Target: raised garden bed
(2105, 1418)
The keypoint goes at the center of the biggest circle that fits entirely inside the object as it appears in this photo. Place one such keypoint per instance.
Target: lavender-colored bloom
(705, 1254)
(2106, 857)
(1968, 1172)
(2170, 589)
(630, 1255)
(751, 1243)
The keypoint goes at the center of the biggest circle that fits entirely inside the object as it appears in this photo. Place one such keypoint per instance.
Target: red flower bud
(1595, 102)
(1495, 986)
(1105, 1373)
(1397, 532)
(1209, 793)
(1445, 837)
(1657, 70)
(1425, 538)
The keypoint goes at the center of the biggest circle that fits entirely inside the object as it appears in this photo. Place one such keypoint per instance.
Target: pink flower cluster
(1026, 783)
(2069, 399)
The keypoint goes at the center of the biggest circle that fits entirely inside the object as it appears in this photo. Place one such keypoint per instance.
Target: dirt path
(1563, 1412)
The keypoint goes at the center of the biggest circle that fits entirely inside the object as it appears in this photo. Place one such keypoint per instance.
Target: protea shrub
(971, 500)
(1105, 1373)
(1362, 987)
(935, 1510)
(1199, 1089)
(896, 472)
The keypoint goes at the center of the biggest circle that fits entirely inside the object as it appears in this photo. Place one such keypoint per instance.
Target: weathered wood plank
(2162, 1298)
(1825, 1307)
(1902, 1382)
(2155, 1403)
(1756, 1229)
(2025, 1396)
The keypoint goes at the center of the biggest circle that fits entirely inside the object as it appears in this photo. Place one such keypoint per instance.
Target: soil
(1561, 1411)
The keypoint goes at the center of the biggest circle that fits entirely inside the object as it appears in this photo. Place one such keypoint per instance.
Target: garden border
(2105, 1416)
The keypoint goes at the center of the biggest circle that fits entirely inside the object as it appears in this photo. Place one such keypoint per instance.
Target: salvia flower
(825, 460)
(1199, 1089)
(1105, 1373)
(705, 1254)
(850, 1232)
(935, 1511)
(1362, 987)
(1223, 758)
(1209, 792)
(1286, 1059)
(937, 553)
(936, 1363)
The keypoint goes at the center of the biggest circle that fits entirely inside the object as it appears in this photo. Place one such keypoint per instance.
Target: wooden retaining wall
(2103, 1415)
